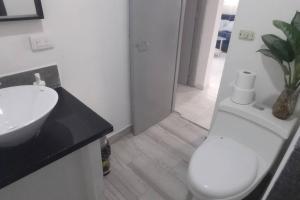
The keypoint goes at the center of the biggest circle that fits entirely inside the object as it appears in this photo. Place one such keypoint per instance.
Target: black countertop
(70, 126)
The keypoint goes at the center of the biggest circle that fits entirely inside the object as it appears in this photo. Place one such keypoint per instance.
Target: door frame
(178, 54)
(196, 40)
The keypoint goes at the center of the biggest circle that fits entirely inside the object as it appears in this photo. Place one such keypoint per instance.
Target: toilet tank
(254, 127)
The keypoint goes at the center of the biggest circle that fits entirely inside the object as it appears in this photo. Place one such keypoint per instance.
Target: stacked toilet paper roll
(243, 88)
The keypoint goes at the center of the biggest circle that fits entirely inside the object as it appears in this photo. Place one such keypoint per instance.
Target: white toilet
(242, 146)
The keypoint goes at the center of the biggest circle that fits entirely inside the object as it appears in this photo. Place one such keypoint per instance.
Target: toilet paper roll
(242, 96)
(245, 79)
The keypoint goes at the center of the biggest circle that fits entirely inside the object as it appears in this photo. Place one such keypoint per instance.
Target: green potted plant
(287, 53)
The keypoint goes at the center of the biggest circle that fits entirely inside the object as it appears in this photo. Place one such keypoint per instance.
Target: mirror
(20, 10)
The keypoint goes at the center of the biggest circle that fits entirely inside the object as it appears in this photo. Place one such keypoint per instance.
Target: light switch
(40, 42)
(247, 35)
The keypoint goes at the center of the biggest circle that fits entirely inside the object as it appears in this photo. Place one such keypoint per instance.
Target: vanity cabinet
(62, 162)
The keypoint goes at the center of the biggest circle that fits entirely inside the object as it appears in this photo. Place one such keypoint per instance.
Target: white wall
(20, 7)
(230, 7)
(91, 50)
(257, 16)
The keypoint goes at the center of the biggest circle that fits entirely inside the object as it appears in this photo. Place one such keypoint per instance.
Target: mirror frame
(39, 14)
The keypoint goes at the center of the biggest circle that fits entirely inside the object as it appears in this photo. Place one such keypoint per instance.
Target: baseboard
(116, 136)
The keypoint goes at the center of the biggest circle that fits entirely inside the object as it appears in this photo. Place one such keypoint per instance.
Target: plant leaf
(297, 69)
(296, 21)
(280, 48)
(292, 34)
(268, 53)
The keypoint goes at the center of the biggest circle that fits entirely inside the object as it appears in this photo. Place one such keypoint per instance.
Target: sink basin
(23, 110)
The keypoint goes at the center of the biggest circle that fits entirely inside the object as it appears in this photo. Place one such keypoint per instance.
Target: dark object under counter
(70, 126)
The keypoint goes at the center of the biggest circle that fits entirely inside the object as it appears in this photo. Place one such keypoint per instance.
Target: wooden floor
(153, 165)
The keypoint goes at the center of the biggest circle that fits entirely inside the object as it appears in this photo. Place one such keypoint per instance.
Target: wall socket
(246, 35)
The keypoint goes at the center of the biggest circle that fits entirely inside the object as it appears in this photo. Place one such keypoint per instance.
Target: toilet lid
(222, 168)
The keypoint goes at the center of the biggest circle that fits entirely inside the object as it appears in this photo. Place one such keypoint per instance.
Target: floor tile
(198, 105)
(153, 165)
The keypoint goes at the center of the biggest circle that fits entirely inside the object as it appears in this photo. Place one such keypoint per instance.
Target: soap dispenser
(38, 80)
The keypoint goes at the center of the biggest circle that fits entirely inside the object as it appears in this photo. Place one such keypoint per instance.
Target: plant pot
(285, 105)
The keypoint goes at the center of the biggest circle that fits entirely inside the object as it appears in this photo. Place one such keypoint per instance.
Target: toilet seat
(222, 168)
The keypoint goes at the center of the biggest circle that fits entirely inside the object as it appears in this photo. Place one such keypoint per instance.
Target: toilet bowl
(242, 146)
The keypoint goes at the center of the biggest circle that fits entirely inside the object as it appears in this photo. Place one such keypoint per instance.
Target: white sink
(23, 110)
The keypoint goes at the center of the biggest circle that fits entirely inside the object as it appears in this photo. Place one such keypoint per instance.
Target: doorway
(200, 71)
(177, 58)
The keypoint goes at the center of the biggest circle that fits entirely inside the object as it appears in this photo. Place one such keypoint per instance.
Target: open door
(154, 39)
